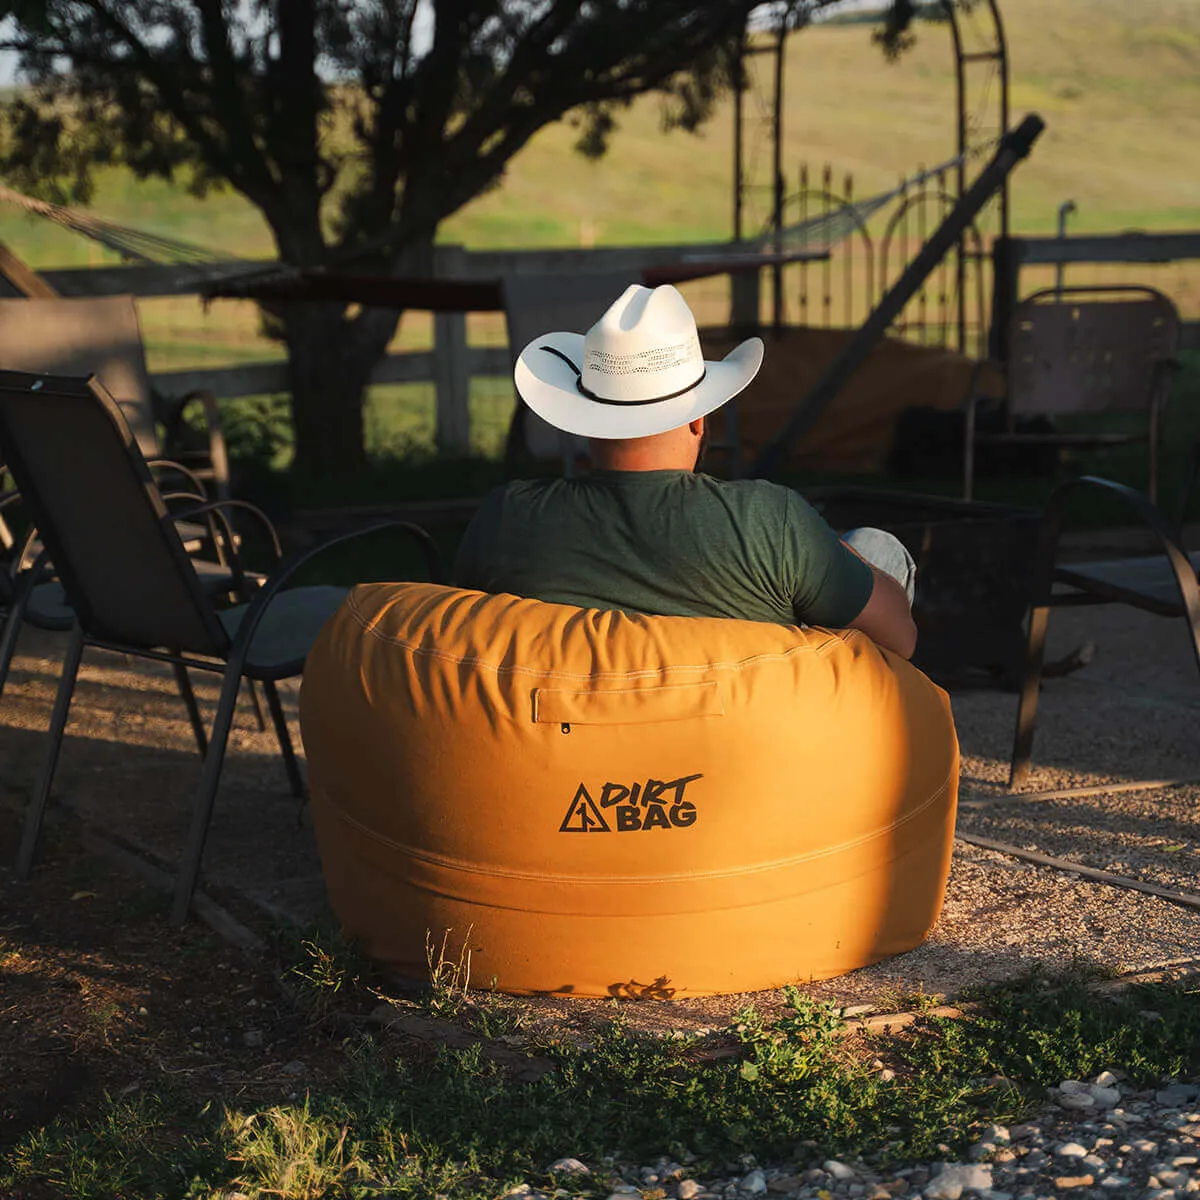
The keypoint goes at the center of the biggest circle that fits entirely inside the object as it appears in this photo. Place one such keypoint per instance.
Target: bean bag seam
(645, 880)
(827, 647)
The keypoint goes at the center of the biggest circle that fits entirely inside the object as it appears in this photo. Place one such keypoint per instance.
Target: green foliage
(322, 967)
(798, 1089)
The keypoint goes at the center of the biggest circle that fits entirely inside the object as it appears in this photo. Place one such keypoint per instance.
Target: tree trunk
(330, 361)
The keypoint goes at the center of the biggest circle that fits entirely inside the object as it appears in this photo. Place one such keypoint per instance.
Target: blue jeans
(887, 552)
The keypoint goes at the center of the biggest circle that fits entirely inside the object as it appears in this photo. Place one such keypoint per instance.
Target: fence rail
(452, 362)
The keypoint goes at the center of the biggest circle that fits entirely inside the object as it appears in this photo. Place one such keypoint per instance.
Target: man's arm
(833, 580)
(886, 618)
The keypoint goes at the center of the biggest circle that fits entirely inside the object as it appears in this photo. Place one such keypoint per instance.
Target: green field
(1118, 84)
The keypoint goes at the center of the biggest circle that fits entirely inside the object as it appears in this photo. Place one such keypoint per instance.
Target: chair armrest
(218, 454)
(269, 590)
(219, 507)
(170, 466)
(1149, 515)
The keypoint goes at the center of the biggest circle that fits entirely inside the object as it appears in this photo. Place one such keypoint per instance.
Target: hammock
(132, 244)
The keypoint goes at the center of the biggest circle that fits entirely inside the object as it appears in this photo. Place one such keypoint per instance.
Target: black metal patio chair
(1078, 351)
(133, 589)
(1166, 584)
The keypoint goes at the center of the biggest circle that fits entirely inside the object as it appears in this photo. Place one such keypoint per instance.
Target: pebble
(1076, 1147)
(754, 1183)
(253, 1037)
(566, 1166)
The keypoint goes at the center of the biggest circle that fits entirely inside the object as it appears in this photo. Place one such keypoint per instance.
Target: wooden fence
(452, 362)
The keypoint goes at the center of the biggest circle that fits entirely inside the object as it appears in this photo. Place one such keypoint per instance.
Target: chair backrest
(1090, 350)
(87, 488)
(82, 336)
(538, 304)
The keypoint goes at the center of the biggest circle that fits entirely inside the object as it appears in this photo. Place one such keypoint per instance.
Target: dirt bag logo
(656, 804)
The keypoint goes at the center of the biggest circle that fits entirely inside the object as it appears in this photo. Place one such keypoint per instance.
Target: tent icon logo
(583, 816)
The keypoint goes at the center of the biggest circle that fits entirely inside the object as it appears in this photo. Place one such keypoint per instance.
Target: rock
(295, 1067)
(1115, 1181)
(839, 1170)
(1070, 1150)
(253, 1038)
(980, 1151)
(1065, 1183)
(754, 1184)
(1093, 1162)
(1077, 1100)
(1106, 1079)
(688, 1188)
(996, 1133)
(1176, 1095)
(568, 1166)
(957, 1178)
(1105, 1097)
(1020, 1133)
(784, 1183)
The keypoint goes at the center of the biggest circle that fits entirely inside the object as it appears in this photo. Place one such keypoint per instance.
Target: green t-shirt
(672, 543)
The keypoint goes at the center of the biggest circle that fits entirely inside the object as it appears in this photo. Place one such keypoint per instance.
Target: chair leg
(256, 704)
(193, 709)
(58, 721)
(11, 631)
(285, 741)
(1027, 710)
(206, 792)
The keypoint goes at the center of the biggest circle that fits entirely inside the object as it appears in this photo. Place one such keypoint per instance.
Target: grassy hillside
(1117, 82)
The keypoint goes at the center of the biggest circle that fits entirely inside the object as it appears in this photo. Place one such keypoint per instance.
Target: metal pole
(777, 208)
(960, 93)
(740, 69)
(1013, 147)
(1064, 210)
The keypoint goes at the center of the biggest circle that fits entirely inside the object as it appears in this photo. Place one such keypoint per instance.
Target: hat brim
(549, 386)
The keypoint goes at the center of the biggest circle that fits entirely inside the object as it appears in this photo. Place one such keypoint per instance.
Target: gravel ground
(1096, 1138)
(129, 765)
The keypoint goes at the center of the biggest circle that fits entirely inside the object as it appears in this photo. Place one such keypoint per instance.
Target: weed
(449, 978)
(289, 1151)
(325, 968)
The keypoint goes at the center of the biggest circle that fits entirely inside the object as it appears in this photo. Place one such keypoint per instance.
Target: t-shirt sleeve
(832, 584)
(477, 548)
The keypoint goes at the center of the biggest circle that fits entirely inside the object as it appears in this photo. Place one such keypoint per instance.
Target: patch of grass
(456, 1123)
(323, 968)
(288, 1151)
(159, 1147)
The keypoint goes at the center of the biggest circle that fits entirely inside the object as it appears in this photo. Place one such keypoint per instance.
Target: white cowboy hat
(638, 371)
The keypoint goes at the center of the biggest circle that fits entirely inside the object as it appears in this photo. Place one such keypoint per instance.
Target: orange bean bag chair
(600, 804)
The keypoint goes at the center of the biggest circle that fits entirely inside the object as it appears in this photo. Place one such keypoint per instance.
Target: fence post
(451, 371)
(744, 299)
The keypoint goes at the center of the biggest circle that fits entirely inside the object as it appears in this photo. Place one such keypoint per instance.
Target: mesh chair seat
(49, 609)
(289, 627)
(1147, 582)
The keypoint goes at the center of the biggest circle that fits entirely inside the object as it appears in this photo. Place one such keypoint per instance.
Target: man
(643, 531)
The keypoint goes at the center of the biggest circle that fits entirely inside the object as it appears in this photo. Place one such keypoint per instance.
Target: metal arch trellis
(979, 45)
